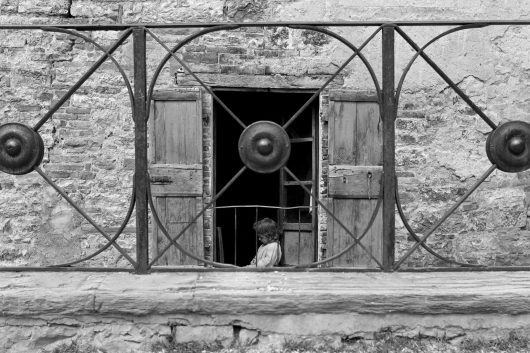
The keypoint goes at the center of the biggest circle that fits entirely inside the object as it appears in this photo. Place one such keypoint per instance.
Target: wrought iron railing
(21, 146)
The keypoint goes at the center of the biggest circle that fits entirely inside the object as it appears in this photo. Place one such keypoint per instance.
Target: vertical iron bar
(235, 236)
(388, 113)
(256, 239)
(299, 235)
(140, 151)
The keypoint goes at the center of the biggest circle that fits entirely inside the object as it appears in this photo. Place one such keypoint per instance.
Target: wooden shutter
(355, 153)
(175, 152)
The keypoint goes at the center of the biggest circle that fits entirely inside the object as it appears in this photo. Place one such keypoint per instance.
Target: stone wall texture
(124, 313)
(89, 141)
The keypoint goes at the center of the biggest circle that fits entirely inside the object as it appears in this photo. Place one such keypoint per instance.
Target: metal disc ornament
(508, 146)
(264, 147)
(21, 149)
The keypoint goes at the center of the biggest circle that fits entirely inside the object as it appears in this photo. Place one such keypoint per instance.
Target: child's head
(266, 230)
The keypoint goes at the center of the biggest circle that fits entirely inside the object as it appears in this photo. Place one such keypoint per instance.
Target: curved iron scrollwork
(21, 147)
(263, 154)
(507, 146)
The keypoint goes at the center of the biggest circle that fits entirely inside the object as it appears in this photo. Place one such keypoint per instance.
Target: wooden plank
(180, 212)
(363, 213)
(159, 133)
(177, 214)
(369, 135)
(183, 132)
(176, 181)
(376, 232)
(151, 134)
(176, 95)
(298, 247)
(354, 182)
(296, 183)
(161, 240)
(295, 226)
(352, 96)
(301, 139)
(342, 122)
(344, 210)
(338, 170)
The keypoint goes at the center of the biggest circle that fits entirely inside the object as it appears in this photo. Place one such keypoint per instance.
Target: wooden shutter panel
(355, 153)
(175, 152)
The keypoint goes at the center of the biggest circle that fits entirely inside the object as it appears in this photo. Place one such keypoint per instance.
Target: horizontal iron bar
(117, 27)
(64, 269)
(261, 269)
(339, 269)
(263, 206)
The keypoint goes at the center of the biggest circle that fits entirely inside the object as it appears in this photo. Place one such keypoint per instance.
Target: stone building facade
(89, 142)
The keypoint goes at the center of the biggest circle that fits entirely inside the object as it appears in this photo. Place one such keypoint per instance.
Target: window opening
(278, 196)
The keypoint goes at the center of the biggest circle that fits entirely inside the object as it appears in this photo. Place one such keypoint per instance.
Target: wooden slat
(354, 181)
(342, 140)
(376, 232)
(180, 212)
(176, 181)
(295, 226)
(176, 95)
(369, 135)
(296, 183)
(349, 96)
(372, 240)
(301, 139)
(355, 215)
(158, 135)
(160, 240)
(339, 239)
(182, 132)
(298, 246)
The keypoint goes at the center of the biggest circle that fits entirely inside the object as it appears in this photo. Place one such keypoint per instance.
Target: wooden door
(175, 154)
(355, 170)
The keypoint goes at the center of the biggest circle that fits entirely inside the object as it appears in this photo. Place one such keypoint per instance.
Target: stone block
(207, 334)
(44, 7)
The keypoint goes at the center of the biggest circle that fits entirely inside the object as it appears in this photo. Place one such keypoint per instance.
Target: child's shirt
(268, 255)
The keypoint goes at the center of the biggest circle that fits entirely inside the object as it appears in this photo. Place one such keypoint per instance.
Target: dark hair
(267, 227)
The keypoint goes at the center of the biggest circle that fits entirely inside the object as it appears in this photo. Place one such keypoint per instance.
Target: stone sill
(26, 294)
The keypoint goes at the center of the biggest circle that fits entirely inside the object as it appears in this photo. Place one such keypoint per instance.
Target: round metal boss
(21, 149)
(264, 147)
(508, 146)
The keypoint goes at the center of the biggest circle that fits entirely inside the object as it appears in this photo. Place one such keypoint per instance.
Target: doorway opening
(255, 196)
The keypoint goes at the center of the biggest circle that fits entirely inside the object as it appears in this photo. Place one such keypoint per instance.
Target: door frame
(316, 151)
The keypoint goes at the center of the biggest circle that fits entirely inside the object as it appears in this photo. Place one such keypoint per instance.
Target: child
(269, 253)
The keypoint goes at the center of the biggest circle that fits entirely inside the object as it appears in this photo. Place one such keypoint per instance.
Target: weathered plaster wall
(89, 142)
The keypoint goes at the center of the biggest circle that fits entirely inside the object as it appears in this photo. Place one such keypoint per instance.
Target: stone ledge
(263, 293)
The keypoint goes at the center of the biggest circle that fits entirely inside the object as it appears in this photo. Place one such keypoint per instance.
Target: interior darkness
(253, 188)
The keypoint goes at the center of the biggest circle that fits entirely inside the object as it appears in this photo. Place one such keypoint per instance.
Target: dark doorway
(235, 211)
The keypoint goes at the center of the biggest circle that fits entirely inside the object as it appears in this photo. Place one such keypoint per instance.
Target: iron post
(389, 164)
(140, 150)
